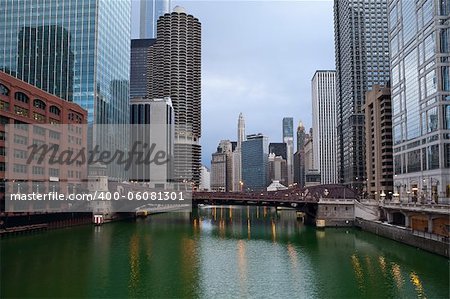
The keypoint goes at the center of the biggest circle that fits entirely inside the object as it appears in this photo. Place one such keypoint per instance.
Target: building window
(53, 172)
(4, 90)
(447, 155)
(20, 125)
(21, 97)
(39, 117)
(55, 110)
(20, 139)
(20, 168)
(54, 135)
(4, 105)
(433, 157)
(39, 104)
(38, 170)
(38, 130)
(20, 154)
(21, 111)
(446, 78)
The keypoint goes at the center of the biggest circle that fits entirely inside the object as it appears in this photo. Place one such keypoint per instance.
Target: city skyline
(259, 71)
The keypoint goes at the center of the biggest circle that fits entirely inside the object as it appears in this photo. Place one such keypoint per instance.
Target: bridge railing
(417, 206)
(431, 236)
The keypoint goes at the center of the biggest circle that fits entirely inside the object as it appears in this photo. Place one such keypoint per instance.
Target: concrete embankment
(404, 235)
(20, 223)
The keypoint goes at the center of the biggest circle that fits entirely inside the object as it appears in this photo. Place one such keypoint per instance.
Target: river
(223, 252)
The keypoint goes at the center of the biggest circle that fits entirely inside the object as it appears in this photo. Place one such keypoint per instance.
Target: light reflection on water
(219, 252)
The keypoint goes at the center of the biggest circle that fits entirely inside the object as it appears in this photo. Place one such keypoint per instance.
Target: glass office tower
(254, 162)
(76, 50)
(362, 60)
(151, 10)
(419, 35)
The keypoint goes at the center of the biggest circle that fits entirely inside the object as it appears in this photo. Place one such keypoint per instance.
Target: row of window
(21, 97)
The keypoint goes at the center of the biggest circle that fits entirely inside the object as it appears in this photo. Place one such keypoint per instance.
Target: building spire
(241, 130)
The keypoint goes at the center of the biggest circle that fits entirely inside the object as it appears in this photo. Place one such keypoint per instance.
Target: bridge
(306, 200)
(284, 198)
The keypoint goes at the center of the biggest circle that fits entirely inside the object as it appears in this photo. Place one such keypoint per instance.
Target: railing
(417, 206)
(431, 236)
(336, 200)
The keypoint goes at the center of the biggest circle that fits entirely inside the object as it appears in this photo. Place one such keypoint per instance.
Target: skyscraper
(150, 11)
(419, 37)
(221, 167)
(254, 162)
(241, 130)
(362, 60)
(77, 50)
(237, 156)
(299, 157)
(175, 71)
(379, 168)
(324, 124)
(139, 67)
(288, 138)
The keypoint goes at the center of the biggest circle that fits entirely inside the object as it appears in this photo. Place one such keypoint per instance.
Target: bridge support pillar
(389, 217)
(407, 220)
(430, 224)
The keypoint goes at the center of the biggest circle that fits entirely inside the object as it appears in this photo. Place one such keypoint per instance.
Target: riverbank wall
(16, 224)
(403, 235)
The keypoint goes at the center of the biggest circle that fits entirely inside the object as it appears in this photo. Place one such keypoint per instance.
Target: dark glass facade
(139, 67)
(255, 162)
(362, 60)
(77, 50)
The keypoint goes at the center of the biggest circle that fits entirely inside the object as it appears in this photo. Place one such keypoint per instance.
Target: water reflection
(417, 284)
(218, 252)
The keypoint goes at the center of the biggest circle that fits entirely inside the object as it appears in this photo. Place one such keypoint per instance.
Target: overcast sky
(258, 58)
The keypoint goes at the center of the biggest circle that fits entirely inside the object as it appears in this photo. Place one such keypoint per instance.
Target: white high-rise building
(324, 125)
(237, 156)
(205, 178)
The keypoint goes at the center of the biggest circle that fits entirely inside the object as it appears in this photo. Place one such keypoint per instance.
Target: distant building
(255, 151)
(309, 152)
(237, 156)
(299, 157)
(278, 149)
(276, 186)
(313, 177)
(150, 11)
(139, 67)
(154, 120)
(324, 124)
(205, 181)
(277, 169)
(288, 138)
(221, 167)
(378, 115)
